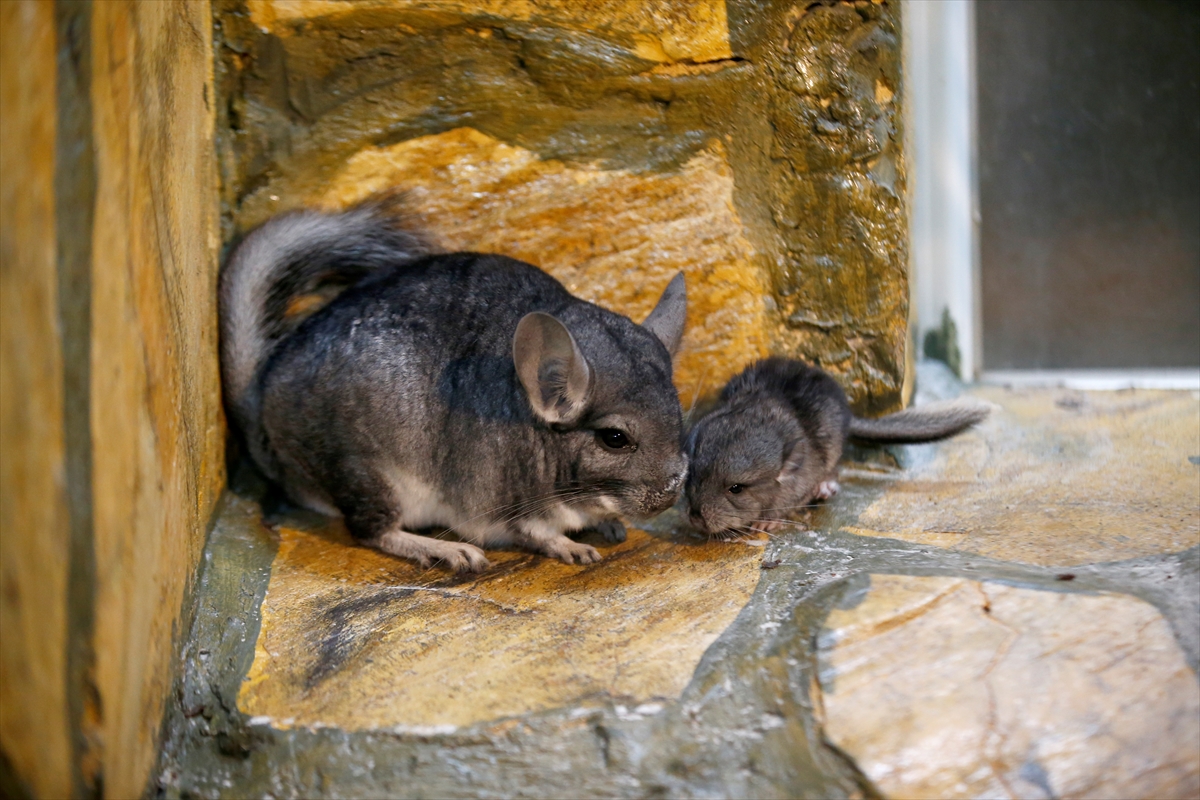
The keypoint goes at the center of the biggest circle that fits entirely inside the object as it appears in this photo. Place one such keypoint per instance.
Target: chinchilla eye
(736, 488)
(613, 439)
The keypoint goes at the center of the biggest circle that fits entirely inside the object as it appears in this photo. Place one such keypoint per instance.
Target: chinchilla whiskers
(510, 511)
(787, 522)
(553, 496)
(687, 418)
(504, 508)
(793, 508)
(528, 509)
(738, 535)
(746, 535)
(729, 535)
(541, 504)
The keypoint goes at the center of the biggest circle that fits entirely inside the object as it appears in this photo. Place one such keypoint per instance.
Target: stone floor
(1012, 613)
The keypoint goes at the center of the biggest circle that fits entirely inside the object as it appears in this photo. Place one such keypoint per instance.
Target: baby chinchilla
(773, 443)
(461, 390)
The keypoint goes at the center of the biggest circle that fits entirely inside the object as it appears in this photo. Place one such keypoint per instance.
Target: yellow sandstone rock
(612, 143)
(360, 640)
(663, 30)
(945, 687)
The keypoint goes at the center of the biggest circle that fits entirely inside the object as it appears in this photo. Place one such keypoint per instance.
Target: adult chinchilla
(461, 390)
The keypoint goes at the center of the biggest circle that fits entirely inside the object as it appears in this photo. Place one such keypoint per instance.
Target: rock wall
(34, 525)
(756, 146)
(112, 426)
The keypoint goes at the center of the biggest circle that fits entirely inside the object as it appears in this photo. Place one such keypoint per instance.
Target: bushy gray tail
(287, 257)
(924, 424)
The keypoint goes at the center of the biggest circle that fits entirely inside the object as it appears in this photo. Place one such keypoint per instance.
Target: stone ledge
(804, 662)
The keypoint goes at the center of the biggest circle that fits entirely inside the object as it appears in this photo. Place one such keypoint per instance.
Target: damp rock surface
(1053, 477)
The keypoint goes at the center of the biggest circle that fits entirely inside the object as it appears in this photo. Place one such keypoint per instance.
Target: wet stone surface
(935, 670)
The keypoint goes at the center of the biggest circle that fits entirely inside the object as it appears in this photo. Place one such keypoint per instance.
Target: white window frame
(939, 60)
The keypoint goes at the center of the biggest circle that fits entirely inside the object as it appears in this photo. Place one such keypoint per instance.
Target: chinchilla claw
(572, 552)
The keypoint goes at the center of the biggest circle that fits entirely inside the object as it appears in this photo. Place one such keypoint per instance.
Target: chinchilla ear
(667, 318)
(794, 456)
(552, 368)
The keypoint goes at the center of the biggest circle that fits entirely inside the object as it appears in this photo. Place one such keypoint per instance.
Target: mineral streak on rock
(837, 180)
(754, 145)
(946, 687)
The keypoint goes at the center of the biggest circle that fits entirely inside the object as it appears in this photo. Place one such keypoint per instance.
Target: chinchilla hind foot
(827, 489)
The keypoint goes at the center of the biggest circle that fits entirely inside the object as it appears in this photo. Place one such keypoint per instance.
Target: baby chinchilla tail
(287, 257)
(927, 423)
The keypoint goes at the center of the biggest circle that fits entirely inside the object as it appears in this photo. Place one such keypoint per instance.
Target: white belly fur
(422, 506)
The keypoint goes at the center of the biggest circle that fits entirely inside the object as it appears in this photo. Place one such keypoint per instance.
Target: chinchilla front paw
(457, 556)
(570, 552)
(613, 530)
(462, 557)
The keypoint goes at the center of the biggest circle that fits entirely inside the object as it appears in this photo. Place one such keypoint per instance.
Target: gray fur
(403, 403)
(775, 440)
(291, 255)
(925, 424)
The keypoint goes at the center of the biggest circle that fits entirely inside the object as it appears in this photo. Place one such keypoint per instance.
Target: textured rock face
(157, 430)
(111, 436)
(754, 146)
(945, 687)
(655, 31)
